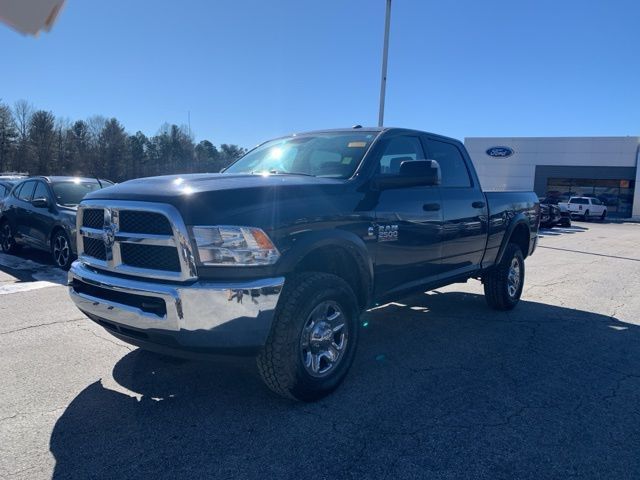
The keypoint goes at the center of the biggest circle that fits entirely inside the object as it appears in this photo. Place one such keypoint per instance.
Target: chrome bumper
(200, 315)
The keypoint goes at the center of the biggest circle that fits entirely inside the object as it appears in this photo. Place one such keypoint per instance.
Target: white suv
(586, 208)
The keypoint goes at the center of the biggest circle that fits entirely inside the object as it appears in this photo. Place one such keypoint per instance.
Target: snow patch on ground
(44, 275)
(25, 287)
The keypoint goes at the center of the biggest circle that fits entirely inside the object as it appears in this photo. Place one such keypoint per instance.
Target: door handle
(478, 204)
(431, 207)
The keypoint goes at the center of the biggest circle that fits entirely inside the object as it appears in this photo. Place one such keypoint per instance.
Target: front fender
(305, 243)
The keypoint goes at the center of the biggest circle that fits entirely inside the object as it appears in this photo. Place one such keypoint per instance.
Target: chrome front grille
(150, 256)
(135, 238)
(133, 221)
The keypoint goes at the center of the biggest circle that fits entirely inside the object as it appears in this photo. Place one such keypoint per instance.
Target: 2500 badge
(386, 233)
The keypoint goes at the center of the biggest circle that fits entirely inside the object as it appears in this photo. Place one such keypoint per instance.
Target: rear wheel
(7, 240)
(503, 285)
(313, 339)
(603, 216)
(585, 217)
(61, 250)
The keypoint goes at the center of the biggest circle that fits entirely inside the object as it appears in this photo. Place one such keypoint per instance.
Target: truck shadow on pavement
(441, 386)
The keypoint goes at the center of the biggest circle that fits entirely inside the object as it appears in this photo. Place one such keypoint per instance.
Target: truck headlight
(229, 245)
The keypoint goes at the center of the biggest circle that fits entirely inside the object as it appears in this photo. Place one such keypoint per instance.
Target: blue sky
(248, 70)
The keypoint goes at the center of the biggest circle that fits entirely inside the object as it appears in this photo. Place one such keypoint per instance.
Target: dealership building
(604, 167)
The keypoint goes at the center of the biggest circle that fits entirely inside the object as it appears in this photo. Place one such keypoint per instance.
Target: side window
(41, 191)
(27, 191)
(595, 201)
(398, 150)
(16, 190)
(452, 166)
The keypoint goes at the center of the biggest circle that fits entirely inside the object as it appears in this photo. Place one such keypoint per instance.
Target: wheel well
(54, 230)
(341, 262)
(520, 237)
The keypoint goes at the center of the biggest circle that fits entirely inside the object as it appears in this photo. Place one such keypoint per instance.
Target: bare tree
(95, 126)
(22, 111)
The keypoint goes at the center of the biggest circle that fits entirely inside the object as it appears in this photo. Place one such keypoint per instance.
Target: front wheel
(61, 250)
(603, 216)
(313, 338)
(503, 284)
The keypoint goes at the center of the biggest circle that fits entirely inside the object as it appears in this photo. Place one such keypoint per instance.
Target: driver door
(408, 224)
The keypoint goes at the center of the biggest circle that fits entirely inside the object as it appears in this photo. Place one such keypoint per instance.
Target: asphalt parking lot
(442, 386)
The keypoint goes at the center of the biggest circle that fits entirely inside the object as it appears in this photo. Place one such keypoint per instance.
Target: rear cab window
(452, 165)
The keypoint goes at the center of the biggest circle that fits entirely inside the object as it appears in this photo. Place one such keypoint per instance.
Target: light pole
(385, 54)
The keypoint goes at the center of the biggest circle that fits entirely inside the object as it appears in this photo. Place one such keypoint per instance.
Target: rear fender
(519, 219)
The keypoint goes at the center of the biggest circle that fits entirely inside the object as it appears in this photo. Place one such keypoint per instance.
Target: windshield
(334, 154)
(69, 194)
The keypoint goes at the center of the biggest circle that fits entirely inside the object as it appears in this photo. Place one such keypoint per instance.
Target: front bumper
(200, 317)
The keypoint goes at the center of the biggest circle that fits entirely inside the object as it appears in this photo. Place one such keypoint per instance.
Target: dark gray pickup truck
(278, 255)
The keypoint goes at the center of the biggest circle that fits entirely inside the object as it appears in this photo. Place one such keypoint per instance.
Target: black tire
(565, 222)
(603, 217)
(281, 363)
(498, 289)
(7, 240)
(585, 217)
(61, 252)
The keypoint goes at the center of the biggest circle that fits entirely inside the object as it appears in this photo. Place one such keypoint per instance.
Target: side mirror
(413, 173)
(40, 202)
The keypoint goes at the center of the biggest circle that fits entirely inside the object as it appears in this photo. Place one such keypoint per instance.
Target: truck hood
(221, 197)
(181, 186)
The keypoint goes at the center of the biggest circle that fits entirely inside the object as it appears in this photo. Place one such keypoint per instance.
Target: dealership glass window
(616, 195)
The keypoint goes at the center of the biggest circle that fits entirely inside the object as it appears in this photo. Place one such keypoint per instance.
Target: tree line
(36, 142)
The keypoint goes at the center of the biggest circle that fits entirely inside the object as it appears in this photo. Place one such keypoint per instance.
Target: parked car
(40, 212)
(280, 254)
(586, 208)
(552, 214)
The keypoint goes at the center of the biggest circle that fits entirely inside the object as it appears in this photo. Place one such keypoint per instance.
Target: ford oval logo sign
(500, 152)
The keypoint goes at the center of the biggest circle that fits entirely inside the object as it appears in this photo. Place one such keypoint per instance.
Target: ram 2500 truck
(278, 255)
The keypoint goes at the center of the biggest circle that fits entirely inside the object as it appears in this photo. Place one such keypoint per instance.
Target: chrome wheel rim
(61, 251)
(513, 277)
(324, 338)
(5, 237)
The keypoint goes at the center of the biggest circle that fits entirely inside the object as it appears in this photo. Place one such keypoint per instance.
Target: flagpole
(385, 54)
